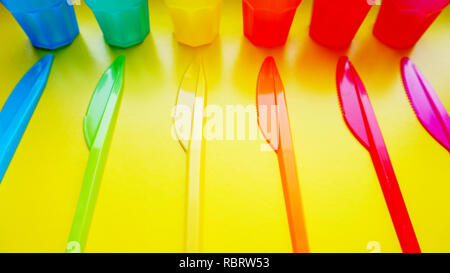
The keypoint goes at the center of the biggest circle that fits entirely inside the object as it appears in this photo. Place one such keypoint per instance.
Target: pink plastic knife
(426, 104)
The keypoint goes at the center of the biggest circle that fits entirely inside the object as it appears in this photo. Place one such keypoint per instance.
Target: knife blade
(426, 104)
(19, 108)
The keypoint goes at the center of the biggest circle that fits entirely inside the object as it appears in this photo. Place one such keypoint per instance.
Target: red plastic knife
(360, 118)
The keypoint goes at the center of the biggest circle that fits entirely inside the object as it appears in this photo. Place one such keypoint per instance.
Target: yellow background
(141, 205)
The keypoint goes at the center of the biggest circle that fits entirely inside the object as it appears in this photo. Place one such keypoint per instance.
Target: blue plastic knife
(18, 109)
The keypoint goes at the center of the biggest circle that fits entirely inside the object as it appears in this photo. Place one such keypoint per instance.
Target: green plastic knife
(98, 131)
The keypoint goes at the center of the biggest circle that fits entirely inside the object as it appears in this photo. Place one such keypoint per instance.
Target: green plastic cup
(124, 23)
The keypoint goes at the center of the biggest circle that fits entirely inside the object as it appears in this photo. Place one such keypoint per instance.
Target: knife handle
(289, 179)
(394, 200)
(194, 159)
(292, 197)
(193, 201)
(86, 202)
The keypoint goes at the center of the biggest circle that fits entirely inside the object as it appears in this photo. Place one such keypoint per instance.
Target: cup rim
(57, 4)
(416, 11)
(272, 10)
(218, 3)
(94, 7)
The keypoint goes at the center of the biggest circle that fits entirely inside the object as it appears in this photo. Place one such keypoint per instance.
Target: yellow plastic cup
(196, 22)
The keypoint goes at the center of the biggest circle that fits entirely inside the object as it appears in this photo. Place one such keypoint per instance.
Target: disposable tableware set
(266, 23)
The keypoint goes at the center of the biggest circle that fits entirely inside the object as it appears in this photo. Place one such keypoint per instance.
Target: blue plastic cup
(124, 23)
(49, 24)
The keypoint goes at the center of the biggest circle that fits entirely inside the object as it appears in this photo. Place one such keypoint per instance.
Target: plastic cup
(267, 22)
(124, 23)
(401, 23)
(196, 22)
(335, 23)
(49, 24)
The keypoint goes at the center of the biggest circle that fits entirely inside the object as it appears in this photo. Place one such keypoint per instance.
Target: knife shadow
(143, 67)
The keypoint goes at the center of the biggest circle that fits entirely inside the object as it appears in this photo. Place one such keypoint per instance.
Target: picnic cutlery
(273, 121)
(360, 119)
(18, 109)
(98, 128)
(426, 104)
(189, 130)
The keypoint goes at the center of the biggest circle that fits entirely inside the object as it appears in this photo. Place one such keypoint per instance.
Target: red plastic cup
(267, 22)
(335, 23)
(401, 23)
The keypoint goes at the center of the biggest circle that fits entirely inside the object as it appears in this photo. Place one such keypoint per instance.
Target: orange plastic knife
(274, 123)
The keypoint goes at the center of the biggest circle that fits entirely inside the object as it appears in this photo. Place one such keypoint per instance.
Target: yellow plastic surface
(141, 204)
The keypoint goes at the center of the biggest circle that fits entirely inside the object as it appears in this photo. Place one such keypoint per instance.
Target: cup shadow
(248, 63)
(212, 56)
(316, 66)
(72, 62)
(379, 62)
(212, 60)
(142, 64)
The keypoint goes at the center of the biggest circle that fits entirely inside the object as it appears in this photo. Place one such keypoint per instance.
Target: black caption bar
(218, 262)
